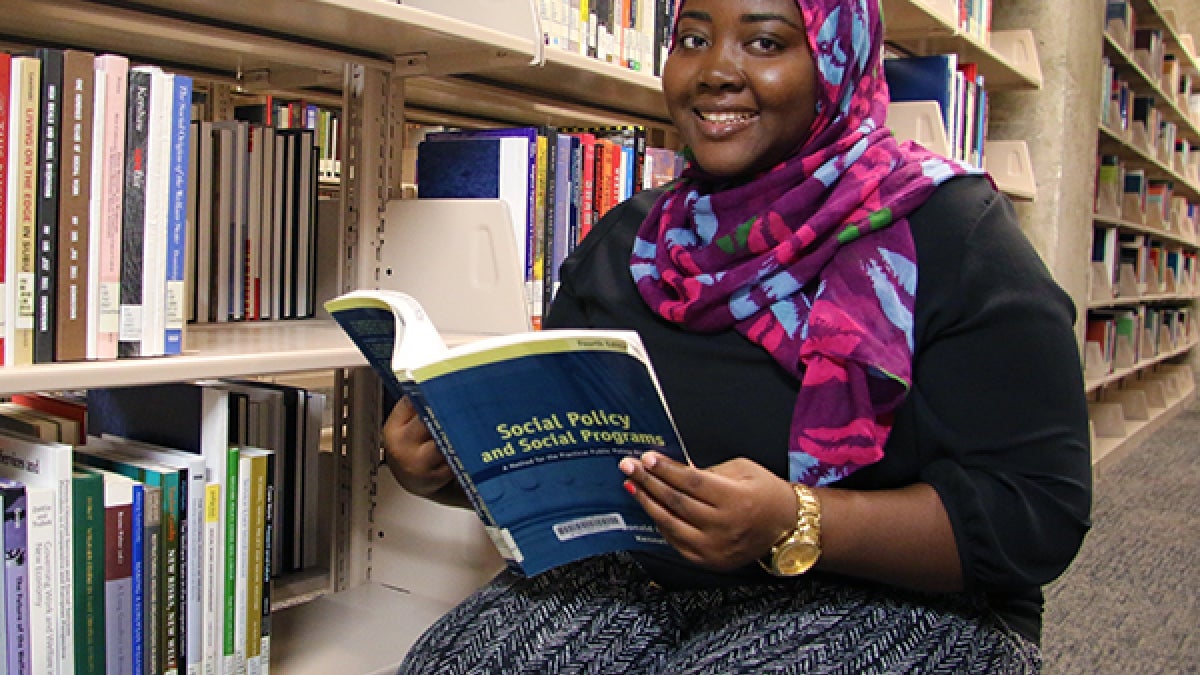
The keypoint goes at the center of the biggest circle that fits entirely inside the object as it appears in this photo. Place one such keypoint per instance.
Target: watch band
(797, 550)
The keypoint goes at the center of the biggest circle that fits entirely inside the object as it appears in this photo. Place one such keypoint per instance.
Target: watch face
(796, 558)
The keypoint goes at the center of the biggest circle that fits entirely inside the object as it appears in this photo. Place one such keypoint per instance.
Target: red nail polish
(630, 487)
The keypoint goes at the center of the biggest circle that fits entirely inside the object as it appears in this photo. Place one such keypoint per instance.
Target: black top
(996, 421)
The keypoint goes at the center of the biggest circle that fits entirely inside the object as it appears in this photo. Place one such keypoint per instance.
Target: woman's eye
(766, 44)
(691, 41)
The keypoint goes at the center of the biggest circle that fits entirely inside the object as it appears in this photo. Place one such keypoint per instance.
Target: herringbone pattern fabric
(604, 617)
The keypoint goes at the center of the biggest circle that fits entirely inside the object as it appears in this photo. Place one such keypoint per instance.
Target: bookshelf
(1137, 376)
(1007, 60)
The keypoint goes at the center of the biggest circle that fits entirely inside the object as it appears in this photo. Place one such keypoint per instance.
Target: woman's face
(740, 83)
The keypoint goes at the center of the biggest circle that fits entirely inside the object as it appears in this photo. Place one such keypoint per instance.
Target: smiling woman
(843, 326)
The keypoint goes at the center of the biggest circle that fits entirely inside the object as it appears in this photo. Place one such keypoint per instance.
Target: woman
(875, 375)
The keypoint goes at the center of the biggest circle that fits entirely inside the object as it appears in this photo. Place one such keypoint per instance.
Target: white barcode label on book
(582, 527)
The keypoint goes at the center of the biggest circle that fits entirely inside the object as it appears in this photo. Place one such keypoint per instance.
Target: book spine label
(22, 228)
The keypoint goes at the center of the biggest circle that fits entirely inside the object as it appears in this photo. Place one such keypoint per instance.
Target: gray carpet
(1130, 603)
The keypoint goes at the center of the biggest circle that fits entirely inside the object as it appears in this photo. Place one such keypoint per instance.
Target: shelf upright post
(372, 114)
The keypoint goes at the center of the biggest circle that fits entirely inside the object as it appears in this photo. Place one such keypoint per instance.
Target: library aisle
(1128, 604)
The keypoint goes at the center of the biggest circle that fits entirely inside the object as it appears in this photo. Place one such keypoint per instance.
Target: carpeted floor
(1130, 603)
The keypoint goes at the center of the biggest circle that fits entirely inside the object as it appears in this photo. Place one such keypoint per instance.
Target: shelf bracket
(287, 77)
(411, 65)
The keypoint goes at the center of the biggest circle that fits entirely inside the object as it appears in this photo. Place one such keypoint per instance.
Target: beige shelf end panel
(1133, 403)
(1156, 392)
(1019, 49)
(919, 121)
(1010, 166)
(513, 17)
(1109, 419)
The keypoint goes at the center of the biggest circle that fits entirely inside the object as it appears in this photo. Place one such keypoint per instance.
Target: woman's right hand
(411, 454)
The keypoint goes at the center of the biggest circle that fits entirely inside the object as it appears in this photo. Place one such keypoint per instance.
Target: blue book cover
(533, 424)
(924, 78)
(522, 203)
(177, 212)
(16, 577)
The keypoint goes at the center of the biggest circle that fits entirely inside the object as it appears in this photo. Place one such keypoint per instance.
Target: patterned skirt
(604, 615)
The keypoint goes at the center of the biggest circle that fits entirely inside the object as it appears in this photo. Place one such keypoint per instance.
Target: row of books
(957, 87)
(155, 526)
(1151, 52)
(1123, 192)
(280, 113)
(1124, 337)
(252, 250)
(556, 182)
(94, 172)
(633, 34)
(1141, 118)
(1138, 265)
(975, 19)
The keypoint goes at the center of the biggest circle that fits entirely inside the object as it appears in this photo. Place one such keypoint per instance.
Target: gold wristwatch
(797, 550)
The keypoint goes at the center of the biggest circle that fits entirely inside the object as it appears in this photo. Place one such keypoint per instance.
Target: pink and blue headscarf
(814, 259)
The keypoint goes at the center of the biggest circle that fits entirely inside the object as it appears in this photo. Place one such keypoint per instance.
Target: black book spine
(133, 223)
(46, 241)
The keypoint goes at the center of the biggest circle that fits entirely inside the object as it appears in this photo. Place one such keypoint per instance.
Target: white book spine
(42, 549)
(241, 596)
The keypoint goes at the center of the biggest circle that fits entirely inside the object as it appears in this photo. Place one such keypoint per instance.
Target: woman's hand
(722, 517)
(411, 454)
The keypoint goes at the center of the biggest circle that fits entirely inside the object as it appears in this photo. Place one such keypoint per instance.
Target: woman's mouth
(723, 123)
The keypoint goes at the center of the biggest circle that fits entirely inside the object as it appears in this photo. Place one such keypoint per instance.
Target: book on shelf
(41, 603)
(533, 424)
(18, 642)
(107, 206)
(75, 194)
(7, 96)
(20, 231)
(87, 490)
(47, 464)
(51, 110)
(133, 212)
(178, 212)
(122, 573)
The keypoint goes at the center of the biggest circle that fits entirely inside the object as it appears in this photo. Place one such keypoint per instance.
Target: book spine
(256, 539)
(7, 97)
(214, 610)
(23, 203)
(46, 235)
(242, 587)
(430, 418)
(133, 220)
(88, 559)
(152, 556)
(157, 200)
(177, 223)
(104, 238)
(44, 617)
(118, 587)
(75, 191)
(229, 623)
(16, 581)
(137, 569)
(268, 542)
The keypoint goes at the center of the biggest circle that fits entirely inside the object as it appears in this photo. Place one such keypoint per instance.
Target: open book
(533, 424)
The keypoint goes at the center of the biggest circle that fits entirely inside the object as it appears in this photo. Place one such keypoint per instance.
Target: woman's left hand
(722, 517)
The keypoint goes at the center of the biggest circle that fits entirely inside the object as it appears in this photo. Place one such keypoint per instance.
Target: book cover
(50, 116)
(74, 220)
(47, 464)
(491, 164)
(87, 489)
(924, 78)
(20, 258)
(178, 212)
(133, 218)
(107, 208)
(533, 425)
(16, 578)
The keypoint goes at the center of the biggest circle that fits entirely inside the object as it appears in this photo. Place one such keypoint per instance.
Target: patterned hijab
(814, 259)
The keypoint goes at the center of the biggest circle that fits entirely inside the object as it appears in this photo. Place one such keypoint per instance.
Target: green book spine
(87, 512)
(231, 513)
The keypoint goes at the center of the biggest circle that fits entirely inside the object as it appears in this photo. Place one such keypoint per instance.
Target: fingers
(411, 454)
